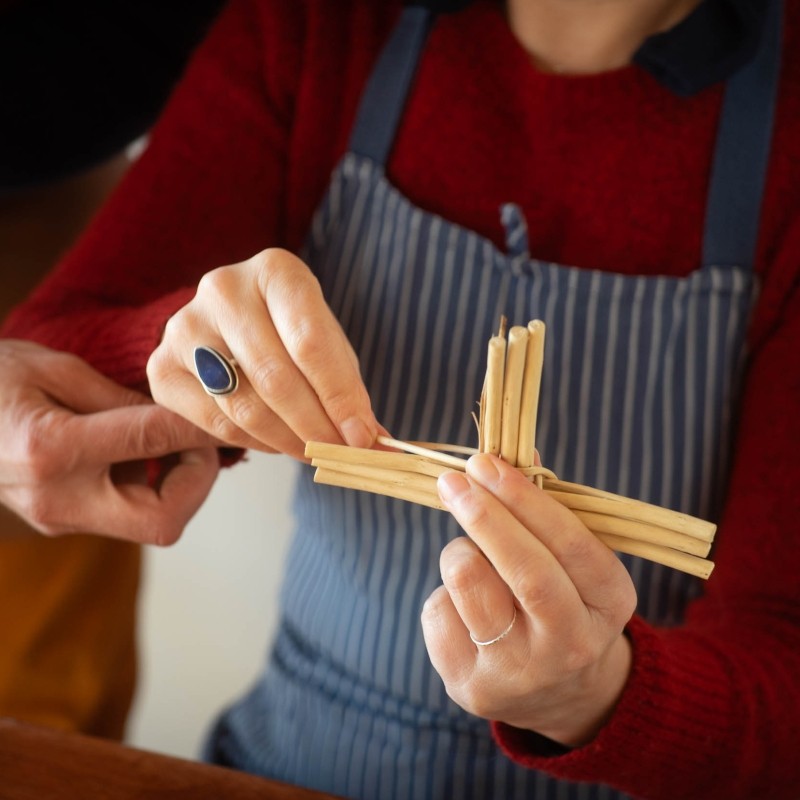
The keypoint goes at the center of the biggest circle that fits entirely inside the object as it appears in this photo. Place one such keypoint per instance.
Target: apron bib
(637, 397)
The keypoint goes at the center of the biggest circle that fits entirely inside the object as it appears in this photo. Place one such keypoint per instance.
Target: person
(79, 83)
(358, 188)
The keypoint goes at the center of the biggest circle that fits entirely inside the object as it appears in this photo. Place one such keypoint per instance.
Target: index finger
(593, 569)
(73, 382)
(130, 433)
(319, 347)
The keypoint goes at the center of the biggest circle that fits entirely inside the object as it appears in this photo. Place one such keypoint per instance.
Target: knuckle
(38, 459)
(473, 511)
(280, 264)
(625, 600)
(309, 343)
(172, 329)
(342, 403)
(39, 511)
(154, 368)
(276, 268)
(223, 428)
(459, 568)
(470, 694)
(531, 592)
(162, 384)
(269, 260)
(276, 377)
(246, 411)
(151, 437)
(579, 653)
(281, 274)
(575, 544)
(219, 281)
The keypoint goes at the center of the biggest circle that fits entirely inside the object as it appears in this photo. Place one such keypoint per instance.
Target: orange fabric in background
(67, 604)
(67, 629)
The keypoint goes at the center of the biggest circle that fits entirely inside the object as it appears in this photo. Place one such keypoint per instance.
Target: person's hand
(72, 445)
(299, 378)
(564, 662)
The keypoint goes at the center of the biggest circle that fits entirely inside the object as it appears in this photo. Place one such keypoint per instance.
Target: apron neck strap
(385, 95)
(741, 156)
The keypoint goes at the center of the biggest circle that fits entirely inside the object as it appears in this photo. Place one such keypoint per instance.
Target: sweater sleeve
(195, 200)
(712, 708)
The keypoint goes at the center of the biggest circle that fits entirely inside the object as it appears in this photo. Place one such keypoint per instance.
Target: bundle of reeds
(507, 428)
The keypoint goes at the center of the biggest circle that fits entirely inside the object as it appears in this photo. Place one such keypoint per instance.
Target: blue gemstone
(214, 371)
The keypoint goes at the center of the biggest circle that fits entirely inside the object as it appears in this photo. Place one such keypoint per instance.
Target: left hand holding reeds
(531, 568)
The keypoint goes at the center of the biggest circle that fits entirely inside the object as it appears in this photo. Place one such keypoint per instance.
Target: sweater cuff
(125, 357)
(115, 341)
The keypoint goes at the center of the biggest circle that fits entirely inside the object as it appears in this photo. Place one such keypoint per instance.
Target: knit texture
(611, 171)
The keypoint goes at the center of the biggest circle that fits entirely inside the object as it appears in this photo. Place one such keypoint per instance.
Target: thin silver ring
(496, 638)
(216, 372)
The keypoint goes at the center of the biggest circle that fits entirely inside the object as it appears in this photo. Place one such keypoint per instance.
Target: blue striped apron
(637, 398)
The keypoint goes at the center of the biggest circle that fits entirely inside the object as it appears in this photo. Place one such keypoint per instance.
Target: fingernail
(192, 458)
(484, 469)
(205, 457)
(356, 433)
(452, 485)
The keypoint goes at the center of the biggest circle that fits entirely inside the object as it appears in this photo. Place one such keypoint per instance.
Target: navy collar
(709, 46)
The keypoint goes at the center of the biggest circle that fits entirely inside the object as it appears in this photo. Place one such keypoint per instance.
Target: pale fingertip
(483, 467)
(357, 433)
(452, 486)
(200, 457)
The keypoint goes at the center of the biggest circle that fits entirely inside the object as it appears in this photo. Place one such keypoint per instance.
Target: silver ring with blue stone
(216, 372)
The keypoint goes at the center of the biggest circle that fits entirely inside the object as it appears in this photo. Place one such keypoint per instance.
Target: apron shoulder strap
(385, 95)
(739, 169)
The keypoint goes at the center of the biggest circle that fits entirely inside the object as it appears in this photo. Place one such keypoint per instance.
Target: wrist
(578, 721)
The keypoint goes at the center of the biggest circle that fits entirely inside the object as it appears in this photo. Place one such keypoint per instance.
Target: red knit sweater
(611, 171)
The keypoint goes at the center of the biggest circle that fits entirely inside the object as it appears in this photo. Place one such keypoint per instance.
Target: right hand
(73, 445)
(299, 378)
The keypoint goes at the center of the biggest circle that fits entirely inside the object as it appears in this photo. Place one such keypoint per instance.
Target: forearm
(115, 341)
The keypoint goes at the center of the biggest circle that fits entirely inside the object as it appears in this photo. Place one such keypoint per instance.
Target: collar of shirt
(709, 45)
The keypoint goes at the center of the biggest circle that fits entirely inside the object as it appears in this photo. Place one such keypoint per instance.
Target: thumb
(163, 514)
(133, 433)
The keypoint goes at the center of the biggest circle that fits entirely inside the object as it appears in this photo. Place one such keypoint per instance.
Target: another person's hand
(564, 662)
(298, 376)
(73, 445)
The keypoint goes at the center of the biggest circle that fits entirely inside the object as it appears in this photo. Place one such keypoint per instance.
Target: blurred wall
(208, 606)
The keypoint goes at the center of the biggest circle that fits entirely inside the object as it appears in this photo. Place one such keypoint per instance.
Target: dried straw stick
(376, 486)
(512, 393)
(421, 489)
(492, 403)
(699, 567)
(529, 402)
(574, 496)
(412, 477)
(411, 447)
(623, 507)
(643, 532)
